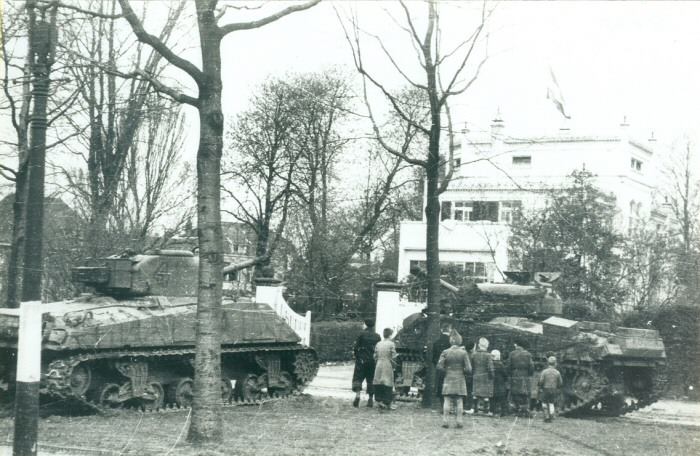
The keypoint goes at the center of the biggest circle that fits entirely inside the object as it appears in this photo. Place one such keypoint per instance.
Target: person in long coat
(455, 362)
(482, 368)
(385, 356)
(499, 403)
(520, 369)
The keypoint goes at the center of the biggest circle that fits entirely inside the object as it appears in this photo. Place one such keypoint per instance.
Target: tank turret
(526, 294)
(159, 272)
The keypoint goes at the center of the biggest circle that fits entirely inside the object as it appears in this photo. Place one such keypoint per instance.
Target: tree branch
(158, 45)
(236, 26)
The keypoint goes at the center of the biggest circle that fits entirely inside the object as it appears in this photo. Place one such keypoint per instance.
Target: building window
(484, 211)
(522, 160)
(446, 210)
(463, 210)
(475, 269)
(509, 211)
(636, 165)
(469, 211)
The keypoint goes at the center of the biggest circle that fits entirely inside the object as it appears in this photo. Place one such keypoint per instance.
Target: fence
(271, 294)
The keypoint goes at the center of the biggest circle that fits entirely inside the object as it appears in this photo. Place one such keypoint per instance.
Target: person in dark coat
(482, 369)
(455, 362)
(499, 403)
(520, 369)
(363, 352)
(441, 344)
(468, 401)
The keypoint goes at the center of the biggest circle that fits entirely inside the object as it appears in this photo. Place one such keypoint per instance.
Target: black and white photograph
(349, 227)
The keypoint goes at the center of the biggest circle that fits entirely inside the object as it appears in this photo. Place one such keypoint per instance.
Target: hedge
(679, 327)
(333, 340)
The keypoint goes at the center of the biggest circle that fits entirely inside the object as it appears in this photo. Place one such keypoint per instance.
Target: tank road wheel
(582, 386)
(80, 379)
(285, 385)
(156, 397)
(108, 396)
(226, 390)
(248, 388)
(305, 367)
(182, 392)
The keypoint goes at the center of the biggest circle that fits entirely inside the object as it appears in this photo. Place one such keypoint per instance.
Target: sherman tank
(605, 369)
(131, 342)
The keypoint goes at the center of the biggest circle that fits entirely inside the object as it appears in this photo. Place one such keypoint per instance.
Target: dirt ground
(306, 425)
(322, 422)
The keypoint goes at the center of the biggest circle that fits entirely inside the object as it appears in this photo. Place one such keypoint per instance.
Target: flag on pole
(554, 94)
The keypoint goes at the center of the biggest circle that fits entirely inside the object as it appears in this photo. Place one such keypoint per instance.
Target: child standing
(499, 403)
(550, 386)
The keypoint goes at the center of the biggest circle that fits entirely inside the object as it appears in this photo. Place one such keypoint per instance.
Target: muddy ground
(320, 423)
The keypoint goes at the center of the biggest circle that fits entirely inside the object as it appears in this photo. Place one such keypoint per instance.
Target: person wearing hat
(455, 362)
(363, 352)
(499, 402)
(550, 384)
(482, 368)
(520, 369)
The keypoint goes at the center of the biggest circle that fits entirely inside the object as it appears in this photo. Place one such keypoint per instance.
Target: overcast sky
(611, 59)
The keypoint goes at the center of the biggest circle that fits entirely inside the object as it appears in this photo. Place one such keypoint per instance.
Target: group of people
(481, 379)
(487, 383)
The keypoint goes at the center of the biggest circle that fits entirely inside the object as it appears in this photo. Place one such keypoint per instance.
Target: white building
(480, 200)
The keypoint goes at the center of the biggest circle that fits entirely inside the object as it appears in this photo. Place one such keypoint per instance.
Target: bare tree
(115, 105)
(154, 188)
(206, 422)
(19, 116)
(683, 198)
(435, 88)
(262, 162)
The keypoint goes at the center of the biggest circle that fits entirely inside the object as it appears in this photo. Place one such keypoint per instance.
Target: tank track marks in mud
(60, 381)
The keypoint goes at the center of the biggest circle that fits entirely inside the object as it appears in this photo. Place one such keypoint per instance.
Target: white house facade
(498, 174)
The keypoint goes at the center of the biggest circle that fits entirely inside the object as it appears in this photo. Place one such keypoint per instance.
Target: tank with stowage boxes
(605, 369)
(132, 341)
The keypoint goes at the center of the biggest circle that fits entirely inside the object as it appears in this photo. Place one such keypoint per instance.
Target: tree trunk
(432, 256)
(14, 272)
(41, 36)
(206, 423)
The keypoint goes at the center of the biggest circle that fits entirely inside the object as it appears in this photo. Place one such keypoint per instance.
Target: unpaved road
(334, 381)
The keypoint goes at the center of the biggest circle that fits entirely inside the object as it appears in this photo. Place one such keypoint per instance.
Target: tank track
(617, 406)
(57, 379)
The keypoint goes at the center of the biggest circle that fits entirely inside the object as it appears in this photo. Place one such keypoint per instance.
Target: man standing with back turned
(363, 352)
(521, 368)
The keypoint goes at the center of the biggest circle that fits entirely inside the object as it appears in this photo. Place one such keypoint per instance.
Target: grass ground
(312, 426)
